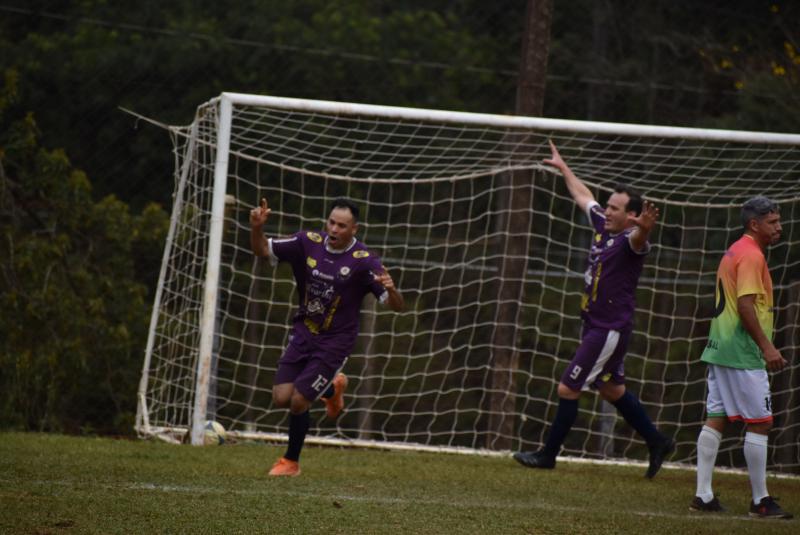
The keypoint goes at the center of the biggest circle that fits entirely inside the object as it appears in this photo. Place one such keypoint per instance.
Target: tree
(74, 316)
(530, 101)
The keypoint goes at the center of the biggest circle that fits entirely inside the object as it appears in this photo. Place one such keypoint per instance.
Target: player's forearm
(394, 300)
(258, 242)
(747, 313)
(638, 238)
(580, 193)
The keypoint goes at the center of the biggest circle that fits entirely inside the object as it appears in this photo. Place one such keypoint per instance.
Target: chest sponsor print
(317, 274)
(315, 307)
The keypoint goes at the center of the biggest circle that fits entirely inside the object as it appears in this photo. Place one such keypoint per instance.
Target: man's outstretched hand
(259, 214)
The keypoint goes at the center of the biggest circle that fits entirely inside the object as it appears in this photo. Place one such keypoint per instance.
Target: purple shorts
(309, 367)
(599, 359)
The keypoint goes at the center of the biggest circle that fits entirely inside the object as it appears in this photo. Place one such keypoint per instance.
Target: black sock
(632, 410)
(565, 417)
(298, 427)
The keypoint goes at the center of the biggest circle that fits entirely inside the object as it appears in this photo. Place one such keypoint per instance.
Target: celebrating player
(615, 263)
(333, 272)
(738, 353)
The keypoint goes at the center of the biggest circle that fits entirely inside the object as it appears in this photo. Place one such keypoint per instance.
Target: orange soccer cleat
(285, 467)
(335, 404)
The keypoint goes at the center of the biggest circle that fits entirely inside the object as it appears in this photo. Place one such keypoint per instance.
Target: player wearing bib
(738, 353)
(333, 272)
(616, 257)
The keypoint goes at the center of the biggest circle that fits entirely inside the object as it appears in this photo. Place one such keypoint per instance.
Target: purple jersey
(331, 285)
(609, 296)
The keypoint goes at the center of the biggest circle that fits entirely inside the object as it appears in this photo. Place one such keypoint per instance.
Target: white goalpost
(489, 251)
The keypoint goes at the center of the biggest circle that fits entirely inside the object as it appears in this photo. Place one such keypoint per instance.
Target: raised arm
(394, 299)
(745, 305)
(258, 216)
(644, 222)
(582, 195)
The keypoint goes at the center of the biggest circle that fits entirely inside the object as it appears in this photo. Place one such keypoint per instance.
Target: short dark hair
(634, 198)
(343, 202)
(756, 208)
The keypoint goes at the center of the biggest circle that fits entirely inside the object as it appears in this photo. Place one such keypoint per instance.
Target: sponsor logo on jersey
(320, 275)
(610, 242)
(597, 237)
(315, 307)
(360, 254)
(311, 262)
(313, 236)
(344, 272)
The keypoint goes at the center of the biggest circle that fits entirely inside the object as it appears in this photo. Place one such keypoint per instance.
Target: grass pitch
(61, 485)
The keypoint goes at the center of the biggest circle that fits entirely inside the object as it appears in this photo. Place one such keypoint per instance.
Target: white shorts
(738, 394)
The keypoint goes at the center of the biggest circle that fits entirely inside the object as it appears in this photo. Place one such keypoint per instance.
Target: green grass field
(59, 484)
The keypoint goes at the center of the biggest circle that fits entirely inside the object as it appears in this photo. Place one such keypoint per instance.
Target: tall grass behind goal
(488, 250)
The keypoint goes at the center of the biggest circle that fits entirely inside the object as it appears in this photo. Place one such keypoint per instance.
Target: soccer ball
(214, 434)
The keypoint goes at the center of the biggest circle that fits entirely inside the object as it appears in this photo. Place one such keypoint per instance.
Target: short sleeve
(631, 250)
(375, 267)
(286, 249)
(749, 275)
(596, 216)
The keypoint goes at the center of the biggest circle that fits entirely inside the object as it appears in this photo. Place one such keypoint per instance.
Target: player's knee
(299, 404)
(282, 394)
(567, 393)
(611, 392)
(717, 424)
(761, 428)
(281, 399)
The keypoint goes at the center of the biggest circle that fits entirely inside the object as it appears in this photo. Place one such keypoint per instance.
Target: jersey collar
(340, 251)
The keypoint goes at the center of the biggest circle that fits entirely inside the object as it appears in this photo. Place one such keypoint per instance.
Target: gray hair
(756, 208)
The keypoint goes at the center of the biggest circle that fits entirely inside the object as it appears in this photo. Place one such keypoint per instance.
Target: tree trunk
(516, 203)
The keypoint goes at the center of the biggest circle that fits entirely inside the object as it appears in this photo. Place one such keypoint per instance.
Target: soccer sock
(707, 447)
(329, 392)
(298, 427)
(755, 453)
(565, 416)
(632, 410)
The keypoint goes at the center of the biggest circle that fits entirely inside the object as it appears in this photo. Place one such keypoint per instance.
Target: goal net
(489, 251)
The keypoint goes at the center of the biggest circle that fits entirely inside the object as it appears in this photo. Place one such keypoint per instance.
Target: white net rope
(489, 251)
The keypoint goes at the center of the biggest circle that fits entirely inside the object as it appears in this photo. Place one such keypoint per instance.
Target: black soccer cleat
(535, 459)
(658, 453)
(711, 507)
(768, 508)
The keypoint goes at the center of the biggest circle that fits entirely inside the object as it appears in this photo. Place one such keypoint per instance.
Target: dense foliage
(74, 311)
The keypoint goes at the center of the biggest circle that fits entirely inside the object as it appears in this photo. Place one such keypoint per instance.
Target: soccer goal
(489, 251)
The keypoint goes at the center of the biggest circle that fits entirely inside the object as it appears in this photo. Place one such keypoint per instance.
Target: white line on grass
(272, 491)
(539, 505)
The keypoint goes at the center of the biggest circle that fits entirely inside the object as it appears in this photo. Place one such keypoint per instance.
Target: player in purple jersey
(333, 272)
(616, 257)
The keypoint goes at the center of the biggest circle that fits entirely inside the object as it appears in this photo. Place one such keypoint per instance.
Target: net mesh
(489, 251)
